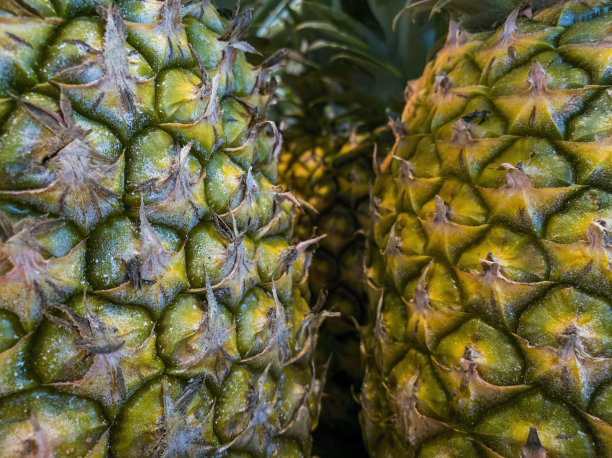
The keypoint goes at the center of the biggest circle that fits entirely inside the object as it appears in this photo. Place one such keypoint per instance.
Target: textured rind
(151, 300)
(488, 264)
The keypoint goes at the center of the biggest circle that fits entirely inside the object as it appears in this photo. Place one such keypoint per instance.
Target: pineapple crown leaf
(361, 43)
(327, 27)
(470, 13)
(356, 56)
(269, 13)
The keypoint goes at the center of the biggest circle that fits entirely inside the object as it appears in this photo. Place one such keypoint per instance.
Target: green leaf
(329, 28)
(351, 53)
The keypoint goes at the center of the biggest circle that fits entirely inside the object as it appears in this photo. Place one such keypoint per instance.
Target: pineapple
(332, 130)
(334, 181)
(488, 267)
(335, 185)
(151, 303)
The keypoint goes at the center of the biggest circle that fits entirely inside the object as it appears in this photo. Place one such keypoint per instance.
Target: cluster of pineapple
(155, 297)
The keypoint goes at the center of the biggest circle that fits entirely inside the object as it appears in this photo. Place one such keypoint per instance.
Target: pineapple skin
(488, 265)
(151, 303)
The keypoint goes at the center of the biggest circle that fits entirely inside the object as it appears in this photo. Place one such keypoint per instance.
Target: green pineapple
(333, 128)
(335, 185)
(334, 181)
(151, 303)
(489, 257)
